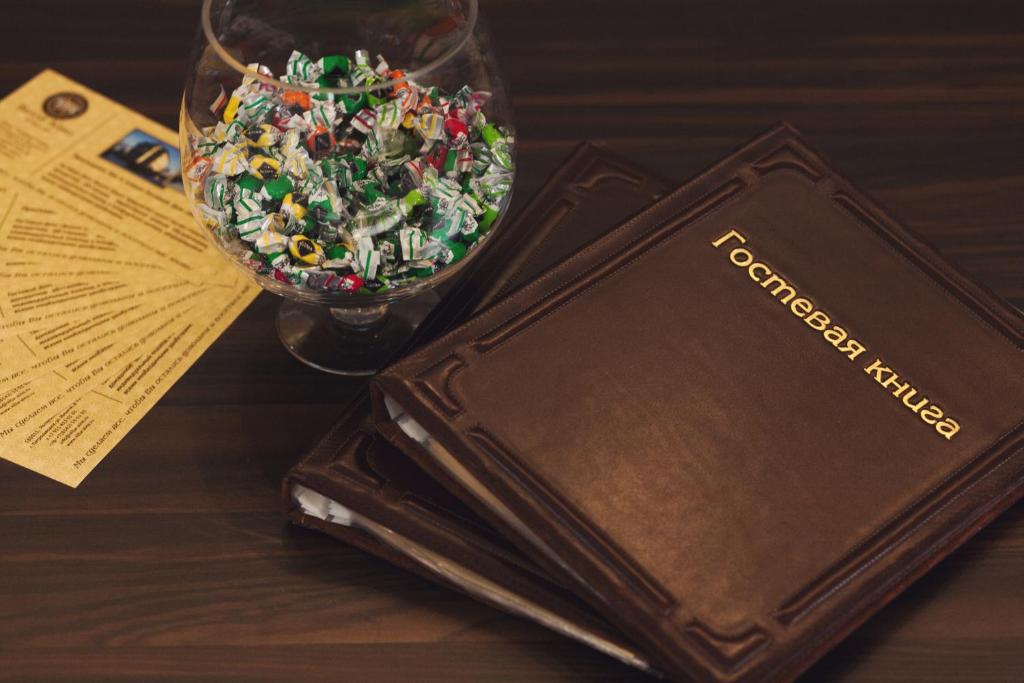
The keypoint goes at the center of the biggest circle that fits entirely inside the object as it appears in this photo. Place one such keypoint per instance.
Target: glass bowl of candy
(351, 157)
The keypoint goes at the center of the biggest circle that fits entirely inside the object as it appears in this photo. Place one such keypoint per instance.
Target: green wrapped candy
(487, 220)
(449, 161)
(278, 188)
(410, 201)
(453, 251)
(350, 104)
(277, 259)
(250, 182)
(498, 145)
(337, 252)
(359, 168)
(371, 193)
(338, 65)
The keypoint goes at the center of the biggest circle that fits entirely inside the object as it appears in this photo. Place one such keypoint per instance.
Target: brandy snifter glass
(346, 316)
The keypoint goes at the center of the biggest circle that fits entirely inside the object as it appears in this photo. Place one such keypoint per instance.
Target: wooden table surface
(173, 561)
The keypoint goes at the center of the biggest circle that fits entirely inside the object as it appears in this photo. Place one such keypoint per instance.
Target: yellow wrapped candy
(231, 111)
(289, 205)
(263, 136)
(263, 166)
(306, 250)
(430, 125)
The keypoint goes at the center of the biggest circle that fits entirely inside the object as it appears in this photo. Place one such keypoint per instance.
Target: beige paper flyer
(109, 291)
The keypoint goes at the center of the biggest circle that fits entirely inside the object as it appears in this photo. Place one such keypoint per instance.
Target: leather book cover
(386, 496)
(738, 424)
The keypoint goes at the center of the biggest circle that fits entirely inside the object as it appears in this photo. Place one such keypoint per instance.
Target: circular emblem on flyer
(65, 105)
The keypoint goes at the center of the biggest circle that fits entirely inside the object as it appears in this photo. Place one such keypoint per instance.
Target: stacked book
(707, 430)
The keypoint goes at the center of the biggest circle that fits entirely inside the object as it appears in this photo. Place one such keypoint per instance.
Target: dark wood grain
(173, 562)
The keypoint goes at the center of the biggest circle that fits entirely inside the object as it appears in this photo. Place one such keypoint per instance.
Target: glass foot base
(350, 342)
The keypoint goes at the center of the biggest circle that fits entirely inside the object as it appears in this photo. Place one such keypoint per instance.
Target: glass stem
(365, 319)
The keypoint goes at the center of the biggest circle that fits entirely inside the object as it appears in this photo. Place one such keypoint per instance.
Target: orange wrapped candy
(293, 97)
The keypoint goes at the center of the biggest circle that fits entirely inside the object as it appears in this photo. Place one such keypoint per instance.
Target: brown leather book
(362, 490)
(738, 424)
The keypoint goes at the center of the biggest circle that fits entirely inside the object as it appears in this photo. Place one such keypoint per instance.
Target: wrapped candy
(335, 65)
(456, 129)
(301, 69)
(278, 188)
(264, 167)
(263, 136)
(198, 169)
(255, 107)
(350, 192)
(320, 115)
(255, 68)
(249, 215)
(410, 201)
(373, 148)
(255, 263)
(277, 259)
(291, 206)
(430, 125)
(350, 104)
(305, 250)
(286, 119)
(490, 215)
(217, 192)
(365, 120)
(313, 181)
(320, 142)
(322, 280)
(370, 222)
(390, 115)
(274, 222)
(452, 251)
(463, 159)
(297, 164)
(291, 142)
(367, 259)
(296, 98)
(351, 283)
(453, 224)
(270, 242)
(412, 242)
(436, 157)
(230, 160)
(498, 145)
(361, 73)
(232, 106)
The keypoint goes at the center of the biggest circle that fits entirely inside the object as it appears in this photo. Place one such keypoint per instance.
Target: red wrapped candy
(351, 283)
(437, 156)
(456, 129)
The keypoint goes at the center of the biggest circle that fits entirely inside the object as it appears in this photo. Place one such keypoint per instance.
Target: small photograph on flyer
(147, 157)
